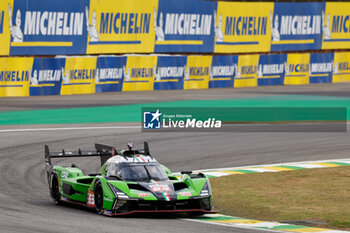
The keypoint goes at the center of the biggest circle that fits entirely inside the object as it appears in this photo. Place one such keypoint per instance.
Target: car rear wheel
(98, 198)
(55, 192)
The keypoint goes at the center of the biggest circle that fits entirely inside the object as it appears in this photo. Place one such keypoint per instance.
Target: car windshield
(143, 172)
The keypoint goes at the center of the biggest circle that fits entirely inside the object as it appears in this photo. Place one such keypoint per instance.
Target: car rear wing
(103, 151)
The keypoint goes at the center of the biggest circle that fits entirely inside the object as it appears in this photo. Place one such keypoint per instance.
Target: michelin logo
(182, 24)
(158, 29)
(297, 25)
(326, 28)
(324, 67)
(270, 69)
(44, 76)
(219, 35)
(103, 74)
(92, 31)
(152, 120)
(15, 30)
(274, 28)
(45, 23)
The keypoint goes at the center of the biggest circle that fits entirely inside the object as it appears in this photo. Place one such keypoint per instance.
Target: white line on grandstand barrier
(70, 128)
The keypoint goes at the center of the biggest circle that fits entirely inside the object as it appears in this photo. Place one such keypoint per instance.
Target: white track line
(70, 128)
(301, 164)
(233, 225)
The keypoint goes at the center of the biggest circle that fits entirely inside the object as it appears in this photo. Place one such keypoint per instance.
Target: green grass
(317, 195)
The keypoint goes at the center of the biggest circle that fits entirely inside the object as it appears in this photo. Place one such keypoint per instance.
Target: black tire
(98, 198)
(55, 193)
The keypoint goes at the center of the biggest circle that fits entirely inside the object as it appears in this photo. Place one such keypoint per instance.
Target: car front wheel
(98, 198)
(55, 192)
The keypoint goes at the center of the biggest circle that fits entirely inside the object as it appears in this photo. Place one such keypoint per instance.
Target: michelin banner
(110, 73)
(46, 76)
(139, 73)
(297, 26)
(271, 70)
(184, 26)
(170, 73)
(222, 71)
(341, 67)
(242, 27)
(78, 77)
(81, 27)
(120, 26)
(336, 26)
(15, 76)
(197, 72)
(297, 69)
(24, 76)
(47, 27)
(247, 71)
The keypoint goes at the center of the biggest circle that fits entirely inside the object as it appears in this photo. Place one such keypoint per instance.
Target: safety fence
(80, 27)
(62, 75)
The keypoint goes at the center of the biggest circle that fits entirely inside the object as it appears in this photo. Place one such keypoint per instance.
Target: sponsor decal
(107, 199)
(186, 194)
(64, 174)
(91, 198)
(166, 196)
(143, 194)
(122, 195)
(160, 188)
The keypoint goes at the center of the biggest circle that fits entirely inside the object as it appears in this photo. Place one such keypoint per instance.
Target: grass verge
(319, 196)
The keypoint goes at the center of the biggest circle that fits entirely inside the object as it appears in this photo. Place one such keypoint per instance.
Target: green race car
(129, 181)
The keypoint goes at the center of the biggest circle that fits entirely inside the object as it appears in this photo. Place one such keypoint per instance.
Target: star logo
(156, 115)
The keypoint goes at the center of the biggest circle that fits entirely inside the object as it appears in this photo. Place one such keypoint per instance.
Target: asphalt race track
(25, 204)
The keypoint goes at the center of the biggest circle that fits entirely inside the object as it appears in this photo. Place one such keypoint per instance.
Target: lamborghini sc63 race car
(129, 181)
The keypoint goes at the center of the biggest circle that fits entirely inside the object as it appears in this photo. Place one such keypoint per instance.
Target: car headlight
(117, 192)
(205, 190)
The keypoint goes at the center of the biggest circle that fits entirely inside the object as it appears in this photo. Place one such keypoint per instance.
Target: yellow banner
(121, 26)
(79, 76)
(297, 69)
(15, 74)
(197, 72)
(139, 73)
(341, 67)
(336, 26)
(242, 27)
(5, 29)
(246, 71)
